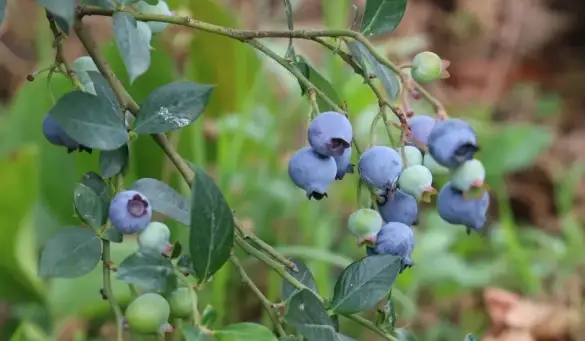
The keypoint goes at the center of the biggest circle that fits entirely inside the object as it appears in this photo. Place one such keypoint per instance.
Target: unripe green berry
(412, 156)
(469, 174)
(148, 313)
(417, 181)
(180, 302)
(435, 168)
(426, 67)
(365, 224)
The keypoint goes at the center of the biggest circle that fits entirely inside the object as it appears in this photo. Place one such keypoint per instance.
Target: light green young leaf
(134, 49)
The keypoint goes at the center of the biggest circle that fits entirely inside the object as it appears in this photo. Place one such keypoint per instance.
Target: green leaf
(177, 249)
(304, 276)
(88, 205)
(151, 272)
(320, 82)
(382, 16)
(101, 188)
(514, 147)
(306, 313)
(364, 283)
(388, 78)
(128, 2)
(212, 227)
(386, 318)
(289, 338)
(208, 316)
(172, 106)
(194, 333)
(470, 337)
(357, 54)
(64, 9)
(90, 120)
(113, 162)
(164, 199)
(100, 3)
(103, 89)
(73, 252)
(113, 235)
(134, 49)
(244, 332)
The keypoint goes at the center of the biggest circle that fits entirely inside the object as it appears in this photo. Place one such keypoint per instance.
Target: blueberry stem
(109, 292)
(266, 304)
(59, 56)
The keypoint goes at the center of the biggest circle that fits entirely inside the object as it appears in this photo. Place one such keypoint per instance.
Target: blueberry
(395, 239)
(365, 225)
(470, 174)
(55, 134)
(344, 165)
(435, 168)
(417, 181)
(420, 128)
(330, 133)
(155, 239)
(399, 207)
(161, 8)
(312, 172)
(452, 142)
(412, 156)
(428, 67)
(379, 167)
(457, 209)
(130, 212)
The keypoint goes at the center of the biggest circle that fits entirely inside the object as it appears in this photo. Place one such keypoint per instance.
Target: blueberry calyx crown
(137, 206)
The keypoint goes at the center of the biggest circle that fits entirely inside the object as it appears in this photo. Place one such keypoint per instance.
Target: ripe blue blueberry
(420, 128)
(379, 167)
(344, 165)
(312, 172)
(399, 207)
(435, 168)
(452, 142)
(470, 174)
(57, 136)
(330, 133)
(130, 212)
(395, 239)
(365, 224)
(155, 239)
(457, 209)
(417, 181)
(412, 156)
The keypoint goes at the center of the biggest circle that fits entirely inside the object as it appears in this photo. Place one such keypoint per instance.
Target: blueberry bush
(168, 275)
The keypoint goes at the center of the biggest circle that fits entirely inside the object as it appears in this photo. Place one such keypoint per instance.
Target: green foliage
(62, 9)
(88, 206)
(164, 199)
(244, 331)
(320, 83)
(113, 162)
(133, 48)
(191, 333)
(382, 16)
(303, 275)
(149, 272)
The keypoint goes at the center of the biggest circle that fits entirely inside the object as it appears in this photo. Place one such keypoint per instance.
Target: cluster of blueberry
(400, 178)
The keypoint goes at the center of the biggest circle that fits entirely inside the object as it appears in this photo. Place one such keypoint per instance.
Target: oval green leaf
(134, 49)
(244, 332)
(320, 83)
(194, 333)
(101, 188)
(103, 89)
(164, 199)
(388, 78)
(64, 9)
(172, 106)
(364, 283)
(150, 272)
(304, 276)
(382, 16)
(73, 252)
(88, 205)
(113, 162)
(90, 120)
(212, 227)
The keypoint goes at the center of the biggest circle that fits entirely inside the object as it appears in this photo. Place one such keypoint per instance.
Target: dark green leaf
(128, 2)
(388, 78)
(113, 162)
(100, 3)
(244, 332)
(304, 276)
(172, 106)
(151, 272)
(177, 249)
(73, 252)
(470, 337)
(99, 186)
(113, 235)
(306, 313)
(208, 316)
(382, 16)
(212, 227)
(164, 199)
(320, 83)
(193, 333)
(357, 54)
(90, 120)
(88, 205)
(514, 147)
(134, 49)
(103, 89)
(364, 283)
(335, 319)
(64, 9)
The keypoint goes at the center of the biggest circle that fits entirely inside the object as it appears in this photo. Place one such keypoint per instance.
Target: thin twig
(266, 304)
(106, 273)
(59, 54)
(371, 326)
(266, 248)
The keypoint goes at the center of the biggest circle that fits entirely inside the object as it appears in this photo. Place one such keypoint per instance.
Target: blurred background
(517, 75)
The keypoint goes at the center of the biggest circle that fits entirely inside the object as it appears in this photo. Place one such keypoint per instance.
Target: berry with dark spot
(399, 207)
(344, 165)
